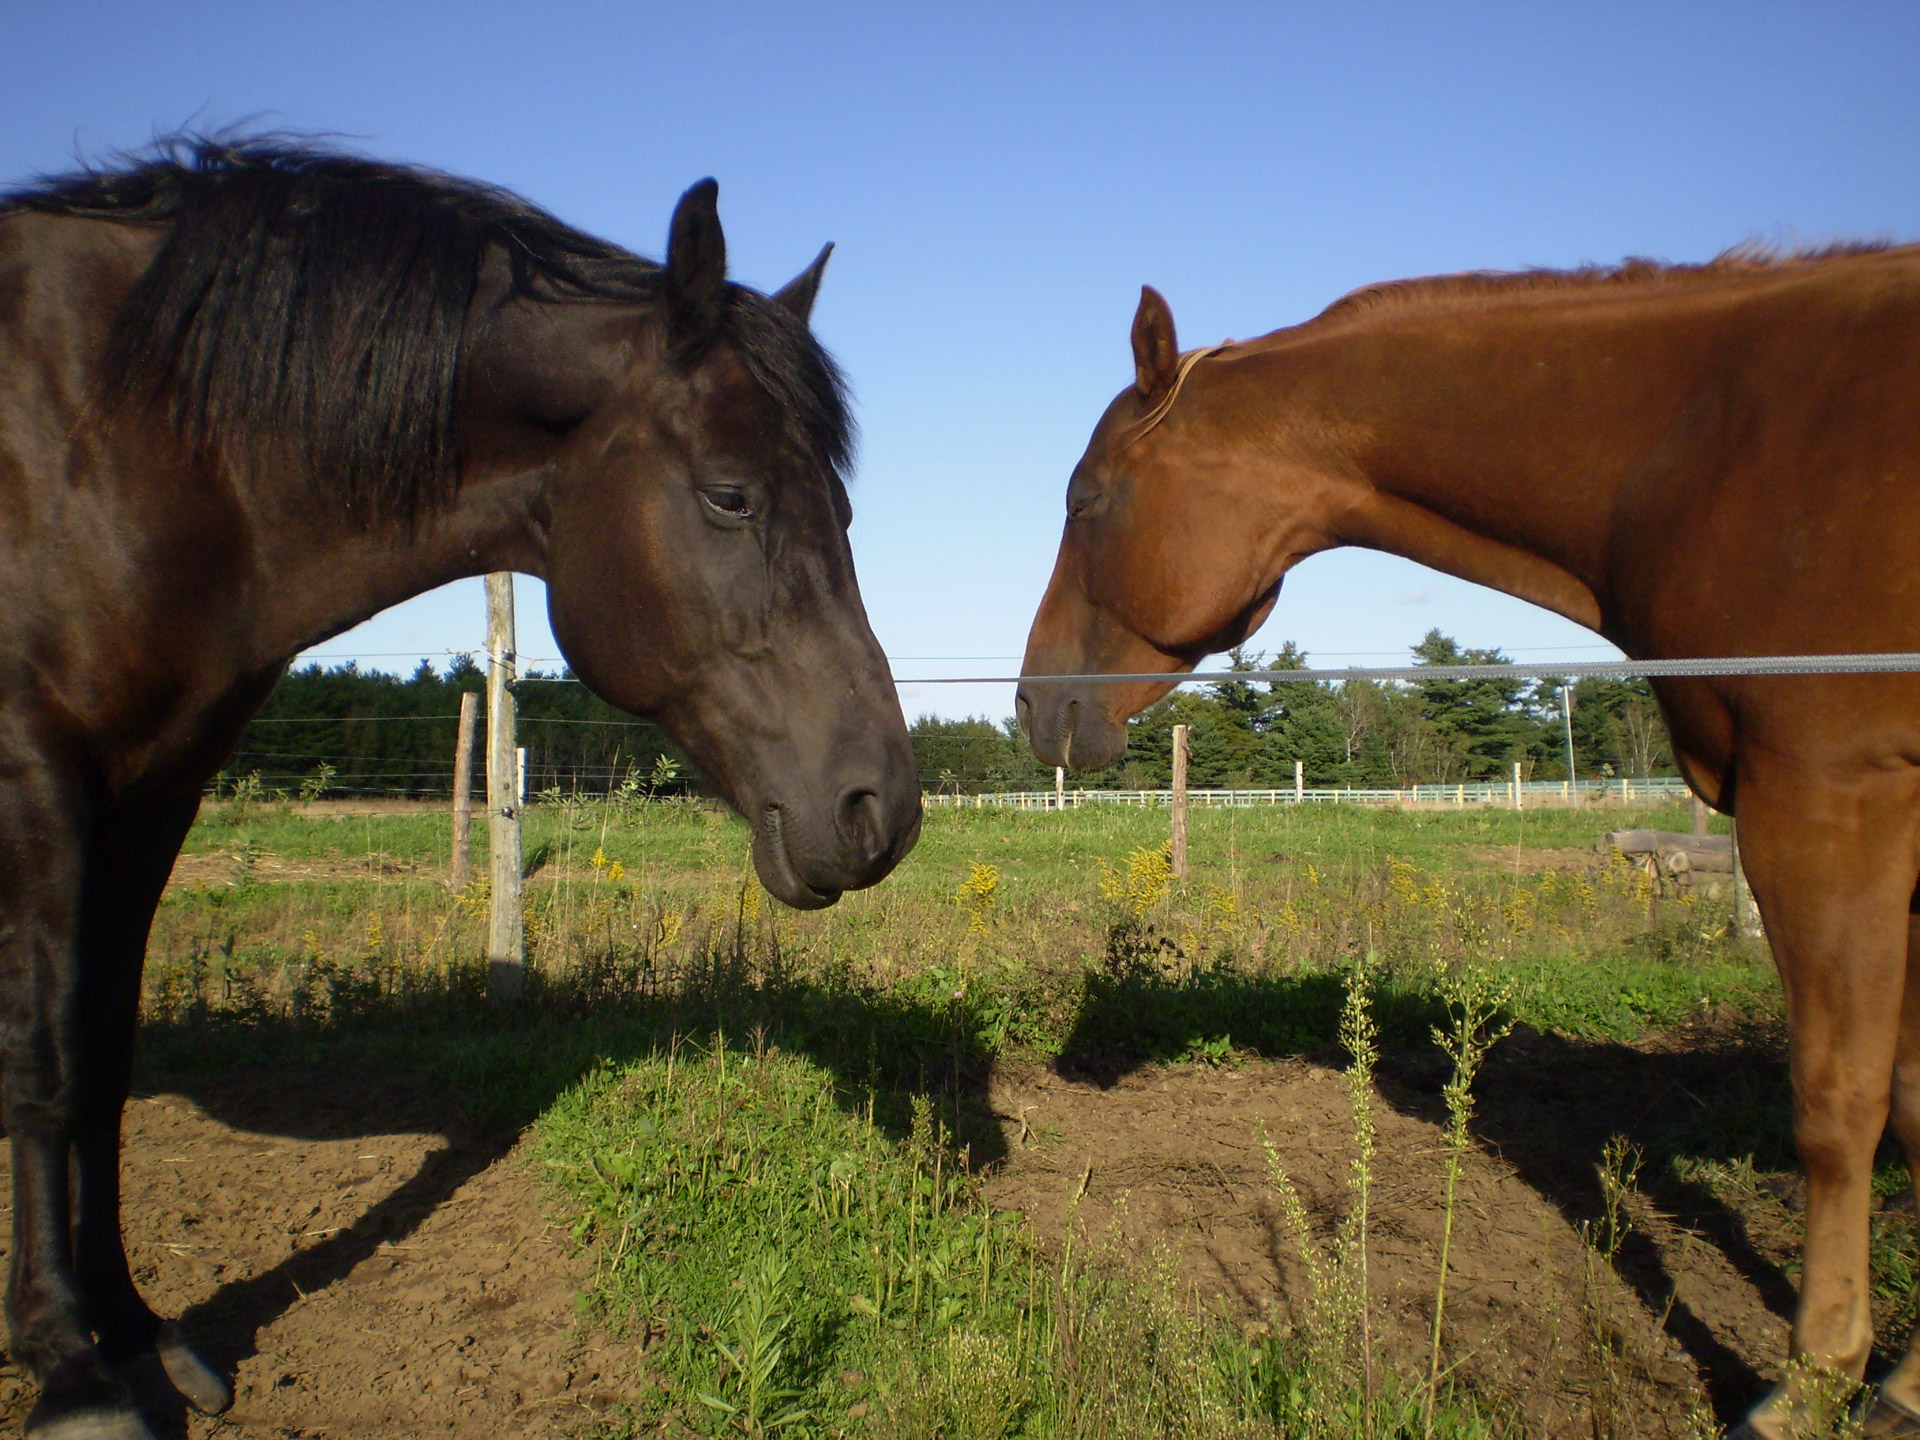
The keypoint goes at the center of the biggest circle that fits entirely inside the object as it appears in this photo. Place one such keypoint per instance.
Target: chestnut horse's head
(1161, 563)
(695, 550)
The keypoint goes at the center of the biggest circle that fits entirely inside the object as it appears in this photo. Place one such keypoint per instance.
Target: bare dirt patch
(1688, 1317)
(1563, 860)
(217, 869)
(358, 1270)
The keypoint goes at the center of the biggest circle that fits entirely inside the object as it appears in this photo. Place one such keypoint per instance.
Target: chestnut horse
(1693, 461)
(253, 392)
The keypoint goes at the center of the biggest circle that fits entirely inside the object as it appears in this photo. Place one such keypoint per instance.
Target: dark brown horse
(1722, 460)
(251, 394)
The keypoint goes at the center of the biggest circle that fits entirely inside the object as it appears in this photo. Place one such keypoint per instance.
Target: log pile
(1676, 856)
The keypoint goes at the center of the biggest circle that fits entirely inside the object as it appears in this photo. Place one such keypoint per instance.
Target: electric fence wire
(1890, 663)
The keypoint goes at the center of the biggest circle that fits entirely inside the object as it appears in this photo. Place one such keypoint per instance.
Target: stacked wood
(1675, 853)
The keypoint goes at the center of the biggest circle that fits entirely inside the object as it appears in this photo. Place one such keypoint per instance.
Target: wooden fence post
(506, 926)
(1700, 814)
(1516, 784)
(1566, 716)
(1180, 802)
(1299, 782)
(462, 866)
(1059, 787)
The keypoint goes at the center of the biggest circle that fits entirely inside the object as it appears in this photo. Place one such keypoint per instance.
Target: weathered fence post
(506, 929)
(1059, 787)
(1180, 802)
(1516, 784)
(1700, 814)
(1299, 782)
(459, 874)
(1566, 714)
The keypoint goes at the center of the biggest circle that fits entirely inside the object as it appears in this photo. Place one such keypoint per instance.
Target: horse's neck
(1491, 441)
(323, 589)
(552, 354)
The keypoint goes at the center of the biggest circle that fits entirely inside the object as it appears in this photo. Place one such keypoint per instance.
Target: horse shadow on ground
(479, 1075)
(1546, 1104)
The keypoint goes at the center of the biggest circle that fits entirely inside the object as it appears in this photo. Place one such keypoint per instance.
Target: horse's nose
(862, 822)
(874, 832)
(1048, 720)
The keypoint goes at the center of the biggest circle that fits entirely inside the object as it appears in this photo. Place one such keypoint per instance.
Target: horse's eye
(1085, 507)
(729, 501)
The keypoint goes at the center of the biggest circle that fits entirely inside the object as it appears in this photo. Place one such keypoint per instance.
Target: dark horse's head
(1158, 566)
(695, 527)
(476, 386)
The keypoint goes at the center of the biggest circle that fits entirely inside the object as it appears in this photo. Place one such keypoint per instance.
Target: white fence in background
(1659, 789)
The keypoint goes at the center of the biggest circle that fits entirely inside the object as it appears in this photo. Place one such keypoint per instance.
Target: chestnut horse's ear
(696, 264)
(797, 294)
(1156, 354)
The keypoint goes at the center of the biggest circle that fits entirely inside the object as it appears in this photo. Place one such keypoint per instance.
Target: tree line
(1358, 732)
(344, 730)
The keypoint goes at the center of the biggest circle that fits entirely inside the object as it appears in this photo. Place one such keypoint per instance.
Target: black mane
(310, 305)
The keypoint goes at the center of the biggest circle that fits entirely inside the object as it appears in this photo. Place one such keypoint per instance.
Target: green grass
(1277, 899)
(772, 1243)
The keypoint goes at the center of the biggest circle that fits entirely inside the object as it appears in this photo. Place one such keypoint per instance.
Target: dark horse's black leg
(45, 816)
(130, 854)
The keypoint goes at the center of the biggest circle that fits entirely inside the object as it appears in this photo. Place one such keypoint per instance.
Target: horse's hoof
(115, 1424)
(1886, 1420)
(162, 1377)
(204, 1387)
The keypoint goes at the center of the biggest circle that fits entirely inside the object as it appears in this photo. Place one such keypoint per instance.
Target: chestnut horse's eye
(1085, 507)
(729, 502)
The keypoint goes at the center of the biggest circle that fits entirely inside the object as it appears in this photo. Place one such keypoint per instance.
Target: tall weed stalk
(1332, 1333)
(1475, 1002)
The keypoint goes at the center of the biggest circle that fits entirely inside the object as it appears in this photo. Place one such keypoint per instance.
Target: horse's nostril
(863, 821)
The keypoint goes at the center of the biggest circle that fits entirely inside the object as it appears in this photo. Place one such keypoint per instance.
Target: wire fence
(1902, 662)
(421, 775)
(1892, 662)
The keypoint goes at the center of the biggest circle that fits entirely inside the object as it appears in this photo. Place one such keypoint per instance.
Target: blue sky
(1000, 180)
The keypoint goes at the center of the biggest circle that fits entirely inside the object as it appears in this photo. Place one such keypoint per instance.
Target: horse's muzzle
(1068, 724)
(808, 860)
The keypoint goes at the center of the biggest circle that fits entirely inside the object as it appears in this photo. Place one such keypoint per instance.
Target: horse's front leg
(1897, 1411)
(131, 853)
(43, 821)
(1832, 862)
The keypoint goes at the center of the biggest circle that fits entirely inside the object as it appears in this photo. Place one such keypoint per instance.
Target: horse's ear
(1156, 354)
(797, 294)
(696, 263)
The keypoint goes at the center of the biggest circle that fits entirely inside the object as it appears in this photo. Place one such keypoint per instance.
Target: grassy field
(282, 911)
(765, 1122)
